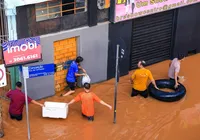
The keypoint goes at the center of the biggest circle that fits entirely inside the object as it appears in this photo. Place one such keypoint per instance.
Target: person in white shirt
(174, 69)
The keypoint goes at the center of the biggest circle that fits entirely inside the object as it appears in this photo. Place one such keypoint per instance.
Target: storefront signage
(39, 70)
(130, 9)
(22, 51)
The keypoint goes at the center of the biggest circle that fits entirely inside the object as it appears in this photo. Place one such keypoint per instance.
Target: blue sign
(41, 70)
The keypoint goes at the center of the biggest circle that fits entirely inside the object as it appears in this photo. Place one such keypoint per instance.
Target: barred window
(58, 8)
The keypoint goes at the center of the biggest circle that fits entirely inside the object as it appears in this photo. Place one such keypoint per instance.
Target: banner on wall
(130, 9)
(22, 51)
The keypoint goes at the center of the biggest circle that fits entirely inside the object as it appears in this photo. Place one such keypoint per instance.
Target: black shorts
(17, 117)
(90, 118)
(142, 93)
(174, 79)
(71, 85)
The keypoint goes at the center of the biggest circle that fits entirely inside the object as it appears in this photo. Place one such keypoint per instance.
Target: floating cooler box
(55, 110)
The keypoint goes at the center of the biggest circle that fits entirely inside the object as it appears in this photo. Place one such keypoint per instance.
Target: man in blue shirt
(72, 74)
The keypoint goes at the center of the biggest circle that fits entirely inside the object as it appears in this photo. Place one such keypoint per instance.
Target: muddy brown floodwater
(137, 118)
(166, 90)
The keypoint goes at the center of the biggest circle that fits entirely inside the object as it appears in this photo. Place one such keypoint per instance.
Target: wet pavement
(137, 118)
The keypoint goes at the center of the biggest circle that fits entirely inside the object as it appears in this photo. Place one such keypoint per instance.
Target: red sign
(22, 51)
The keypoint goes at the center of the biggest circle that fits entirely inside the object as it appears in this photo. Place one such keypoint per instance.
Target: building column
(12, 31)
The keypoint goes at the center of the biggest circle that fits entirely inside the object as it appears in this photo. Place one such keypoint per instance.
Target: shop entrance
(152, 38)
(64, 51)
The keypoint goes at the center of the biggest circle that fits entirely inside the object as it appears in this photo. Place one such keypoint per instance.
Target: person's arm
(82, 69)
(132, 78)
(97, 99)
(37, 103)
(71, 102)
(176, 79)
(105, 104)
(76, 99)
(8, 93)
(152, 80)
(77, 74)
(154, 83)
(177, 69)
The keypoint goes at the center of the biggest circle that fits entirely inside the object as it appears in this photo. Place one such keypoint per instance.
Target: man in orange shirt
(88, 99)
(139, 80)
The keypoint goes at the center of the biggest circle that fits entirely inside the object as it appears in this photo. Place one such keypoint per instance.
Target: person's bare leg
(69, 93)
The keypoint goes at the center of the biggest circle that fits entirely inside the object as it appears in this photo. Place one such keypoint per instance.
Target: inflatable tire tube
(178, 94)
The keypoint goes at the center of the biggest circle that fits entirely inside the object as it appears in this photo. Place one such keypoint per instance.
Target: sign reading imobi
(22, 51)
(130, 9)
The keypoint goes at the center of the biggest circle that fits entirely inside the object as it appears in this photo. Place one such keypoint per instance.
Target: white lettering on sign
(23, 47)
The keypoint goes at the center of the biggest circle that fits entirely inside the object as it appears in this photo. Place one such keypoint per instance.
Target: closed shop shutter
(151, 38)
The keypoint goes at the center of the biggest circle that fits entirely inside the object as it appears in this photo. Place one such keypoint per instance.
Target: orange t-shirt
(140, 78)
(87, 102)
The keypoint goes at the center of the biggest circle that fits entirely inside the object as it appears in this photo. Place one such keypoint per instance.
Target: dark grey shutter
(151, 38)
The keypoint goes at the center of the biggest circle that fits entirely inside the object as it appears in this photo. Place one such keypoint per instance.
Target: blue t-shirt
(71, 72)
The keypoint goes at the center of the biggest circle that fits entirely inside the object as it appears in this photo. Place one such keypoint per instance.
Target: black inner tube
(176, 95)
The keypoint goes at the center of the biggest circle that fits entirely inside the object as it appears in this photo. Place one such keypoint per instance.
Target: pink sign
(129, 9)
(22, 51)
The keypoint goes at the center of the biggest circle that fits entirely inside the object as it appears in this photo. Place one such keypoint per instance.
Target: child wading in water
(87, 98)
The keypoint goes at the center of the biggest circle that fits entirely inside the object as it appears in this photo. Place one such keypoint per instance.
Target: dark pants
(142, 93)
(174, 79)
(71, 85)
(90, 118)
(17, 117)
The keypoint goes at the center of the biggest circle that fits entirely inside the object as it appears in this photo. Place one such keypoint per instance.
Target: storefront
(67, 29)
(152, 31)
(152, 38)
(64, 46)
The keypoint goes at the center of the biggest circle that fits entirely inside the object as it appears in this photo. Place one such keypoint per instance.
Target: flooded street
(137, 118)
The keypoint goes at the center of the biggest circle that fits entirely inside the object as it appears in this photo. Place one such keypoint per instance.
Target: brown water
(137, 118)
(166, 90)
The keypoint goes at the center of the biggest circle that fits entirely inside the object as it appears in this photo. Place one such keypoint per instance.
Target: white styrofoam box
(55, 110)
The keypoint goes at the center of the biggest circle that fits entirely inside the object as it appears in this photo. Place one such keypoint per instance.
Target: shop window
(58, 8)
(104, 4)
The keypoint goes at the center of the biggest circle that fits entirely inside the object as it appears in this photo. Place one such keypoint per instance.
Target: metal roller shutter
(151, 38)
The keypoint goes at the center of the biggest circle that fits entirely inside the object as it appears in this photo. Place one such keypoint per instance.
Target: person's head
(79, 59)
(181, 57)
(141, 64)
(87, 87)
(18, 85)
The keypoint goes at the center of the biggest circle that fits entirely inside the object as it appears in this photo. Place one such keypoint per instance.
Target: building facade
(155, 37)
(68, 28)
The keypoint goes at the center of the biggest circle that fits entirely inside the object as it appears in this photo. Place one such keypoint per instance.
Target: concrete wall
(27, 25)
(188, 30)
(92, 46)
